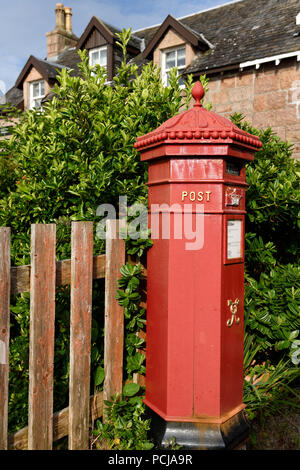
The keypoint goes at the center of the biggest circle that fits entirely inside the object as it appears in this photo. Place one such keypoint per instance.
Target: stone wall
(58, 41)
(267, 97)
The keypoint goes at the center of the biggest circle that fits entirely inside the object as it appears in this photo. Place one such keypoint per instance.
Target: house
(39, 75)
(252, 59)
(249, 50)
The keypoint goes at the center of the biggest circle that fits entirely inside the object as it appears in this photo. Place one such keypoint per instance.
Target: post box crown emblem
(198, 125)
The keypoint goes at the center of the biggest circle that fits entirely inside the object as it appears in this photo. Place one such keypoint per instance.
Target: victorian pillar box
(195, 283)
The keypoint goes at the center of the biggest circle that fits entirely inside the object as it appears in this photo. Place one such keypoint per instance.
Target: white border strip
(274, 58)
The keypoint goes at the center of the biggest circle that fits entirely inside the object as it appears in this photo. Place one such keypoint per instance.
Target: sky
(24, 24)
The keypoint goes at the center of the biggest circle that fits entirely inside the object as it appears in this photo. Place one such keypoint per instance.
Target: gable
(95, 34)
(172, 40)
(94, 39)
(45, 69)
(185, 33)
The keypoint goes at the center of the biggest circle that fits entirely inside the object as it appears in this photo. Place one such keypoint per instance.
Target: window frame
(32, 98)
(164, 69)
(98, 49)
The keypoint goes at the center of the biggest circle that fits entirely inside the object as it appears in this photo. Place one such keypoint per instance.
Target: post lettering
(183, 195)
(192, 196)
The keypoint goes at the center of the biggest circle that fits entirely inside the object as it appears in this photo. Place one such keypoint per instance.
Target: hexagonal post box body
(195, 269)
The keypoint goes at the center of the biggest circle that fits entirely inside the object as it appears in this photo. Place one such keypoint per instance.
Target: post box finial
(198, 93)
(196, 125)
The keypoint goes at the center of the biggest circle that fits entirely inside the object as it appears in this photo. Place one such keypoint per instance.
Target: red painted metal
(194, 353)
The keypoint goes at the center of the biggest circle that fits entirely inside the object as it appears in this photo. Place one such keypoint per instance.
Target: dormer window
(98, 56)
(173, 58)
(36, 93)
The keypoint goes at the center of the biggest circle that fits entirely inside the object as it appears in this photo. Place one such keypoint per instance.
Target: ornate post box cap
(198, 126)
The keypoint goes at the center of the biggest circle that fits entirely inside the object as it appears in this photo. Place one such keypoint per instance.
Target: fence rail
(40, 278)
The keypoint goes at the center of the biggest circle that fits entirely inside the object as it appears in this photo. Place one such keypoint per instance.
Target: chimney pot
(60, 16)
(68, 16)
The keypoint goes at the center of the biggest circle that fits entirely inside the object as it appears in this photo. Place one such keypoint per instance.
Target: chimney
(68, 17)
(61, 37)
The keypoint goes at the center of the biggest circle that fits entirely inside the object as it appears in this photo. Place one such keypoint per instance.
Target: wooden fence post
(114, 316)
(4, 331)
(80, 334)
(41, 347)
(41, 278)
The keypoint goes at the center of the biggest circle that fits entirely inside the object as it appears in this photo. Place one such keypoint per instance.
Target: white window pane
(170, 59)
(174, 58)
(37, 92)
(181, 58)
(37, 103)
(98, 57)
(180, 81)
(94, 58)
(181, 52)
(103, 58)
(36, 89)
(167, 79)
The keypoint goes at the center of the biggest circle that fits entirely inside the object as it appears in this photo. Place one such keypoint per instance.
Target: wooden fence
(40, 278)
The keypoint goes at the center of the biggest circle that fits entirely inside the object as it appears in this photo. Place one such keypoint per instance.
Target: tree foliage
(78, 152)
(60, 164)
(272, 242)
(272, 280)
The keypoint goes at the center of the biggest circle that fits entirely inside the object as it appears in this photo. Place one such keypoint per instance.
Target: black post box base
(232, 434)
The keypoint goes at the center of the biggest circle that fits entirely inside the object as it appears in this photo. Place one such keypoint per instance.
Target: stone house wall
(267, 97)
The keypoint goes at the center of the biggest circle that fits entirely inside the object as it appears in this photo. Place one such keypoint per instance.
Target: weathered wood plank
(63, 272)
(114, 319)
(20, 275)
(19, 439)
(99, 266)
(80, 334)
(20, 279)
(4, 331)
(41, 345)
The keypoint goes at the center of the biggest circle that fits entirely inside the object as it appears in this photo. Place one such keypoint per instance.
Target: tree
(60, 164)
(272, 278)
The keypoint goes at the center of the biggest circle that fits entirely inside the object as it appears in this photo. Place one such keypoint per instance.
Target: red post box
(194, 351)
